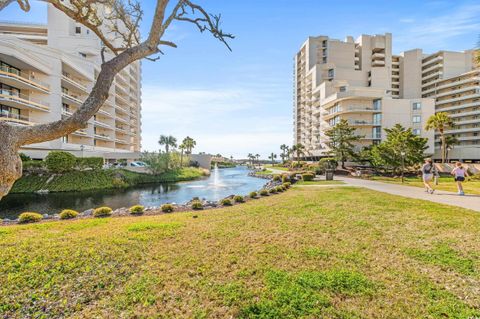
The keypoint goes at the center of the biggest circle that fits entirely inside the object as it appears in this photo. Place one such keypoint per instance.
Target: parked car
(138, 164)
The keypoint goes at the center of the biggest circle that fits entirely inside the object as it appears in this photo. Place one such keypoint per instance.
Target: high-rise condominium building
(362, 82)
(47, 71)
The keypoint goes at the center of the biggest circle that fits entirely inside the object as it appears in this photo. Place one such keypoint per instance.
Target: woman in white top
(428, 172)
(460, 173)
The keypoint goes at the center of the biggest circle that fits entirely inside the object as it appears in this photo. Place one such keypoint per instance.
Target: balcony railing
(72, 98)
(15, 118)
(24, 77)
(8, 95)
(74, 82)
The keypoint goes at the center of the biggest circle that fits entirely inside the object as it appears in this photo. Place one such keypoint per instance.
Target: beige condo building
(363, 82)
(47, 71)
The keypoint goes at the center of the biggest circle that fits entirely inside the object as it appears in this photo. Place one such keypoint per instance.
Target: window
(343, 89)
(65, 139)
(377, 104)
(324, 59)
(331, 73)
(377, 133)
(417, 131)
(78, 30)
(416, 106)
(377, 119)
(417, 119)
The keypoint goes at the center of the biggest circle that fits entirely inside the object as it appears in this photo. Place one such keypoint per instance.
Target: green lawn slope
(311, 252)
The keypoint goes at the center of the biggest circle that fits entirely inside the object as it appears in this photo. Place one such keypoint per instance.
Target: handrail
(23, 98)
(23, 76)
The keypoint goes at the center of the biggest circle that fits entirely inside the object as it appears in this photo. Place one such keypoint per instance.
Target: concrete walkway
(442, 197)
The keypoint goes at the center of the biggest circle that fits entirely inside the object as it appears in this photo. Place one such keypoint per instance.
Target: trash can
(329, 174)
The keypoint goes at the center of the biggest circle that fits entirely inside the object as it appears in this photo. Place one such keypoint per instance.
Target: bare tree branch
(123, 21)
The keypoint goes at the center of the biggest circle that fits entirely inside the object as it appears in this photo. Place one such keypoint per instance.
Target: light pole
(82, 147)
(402, 153)
(448, 153)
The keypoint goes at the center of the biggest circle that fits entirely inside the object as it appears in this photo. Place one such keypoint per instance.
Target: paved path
(443, 197)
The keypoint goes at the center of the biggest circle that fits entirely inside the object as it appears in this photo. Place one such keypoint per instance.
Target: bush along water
(137, 210)
(68, 214)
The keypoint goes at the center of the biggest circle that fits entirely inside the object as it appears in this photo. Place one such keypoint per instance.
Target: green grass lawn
(265, 172)
(444, 183)
(280, 168)
(307, 253)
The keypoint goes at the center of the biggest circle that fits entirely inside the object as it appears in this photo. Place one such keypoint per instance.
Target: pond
(220, 184)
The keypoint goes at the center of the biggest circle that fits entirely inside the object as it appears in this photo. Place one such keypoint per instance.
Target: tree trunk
(10, 163)
(443, 147)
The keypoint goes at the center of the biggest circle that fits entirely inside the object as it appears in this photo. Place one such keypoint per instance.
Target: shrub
(68, 214)
(273, 190)
(287, 185)
(33, 166)
(24, 157)
(277, 178)
(167, 208)
(226, 202)
(285, 178)
(196, 205)
(308, 177)
(60, 162)
(327, 163)
(102, 212)
(29, 217)
(263, 192)
(137, 209)
(93, 163)
(238, 199)
(253, 194)
(279, 189)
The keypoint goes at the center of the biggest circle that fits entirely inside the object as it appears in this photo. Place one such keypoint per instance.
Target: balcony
(350, 109)
(20, 100)
(120, 141)
(432, 75)
(104, 113)
(69, 98)
(71, 83)
(378, 56)
(81, 133)
(102, 137)
(102, 124)
(22, 80)
(429, 60)
(363, 123)
(122, 120)
(456, 91)
(15, 119)
(460, 98)
(376, 63)
(444, 84)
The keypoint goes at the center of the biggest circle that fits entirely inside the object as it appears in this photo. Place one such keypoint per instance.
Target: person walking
(428, 172)
(460, 174)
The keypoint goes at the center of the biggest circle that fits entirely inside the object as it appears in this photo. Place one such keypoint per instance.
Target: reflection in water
(221, 183)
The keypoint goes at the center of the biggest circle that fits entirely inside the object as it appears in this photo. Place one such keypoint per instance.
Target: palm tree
(189, 144)
(273, 157)
(450, 142)
(285, 150)
(298, 150)
(168, 141)
(182, 148)
(440, 122)
(257, 156)
(251, 158)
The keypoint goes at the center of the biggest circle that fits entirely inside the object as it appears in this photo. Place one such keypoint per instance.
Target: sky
(241, 102)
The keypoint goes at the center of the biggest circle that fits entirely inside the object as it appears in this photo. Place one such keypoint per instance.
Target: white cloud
(437, 32)
(230, 121)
